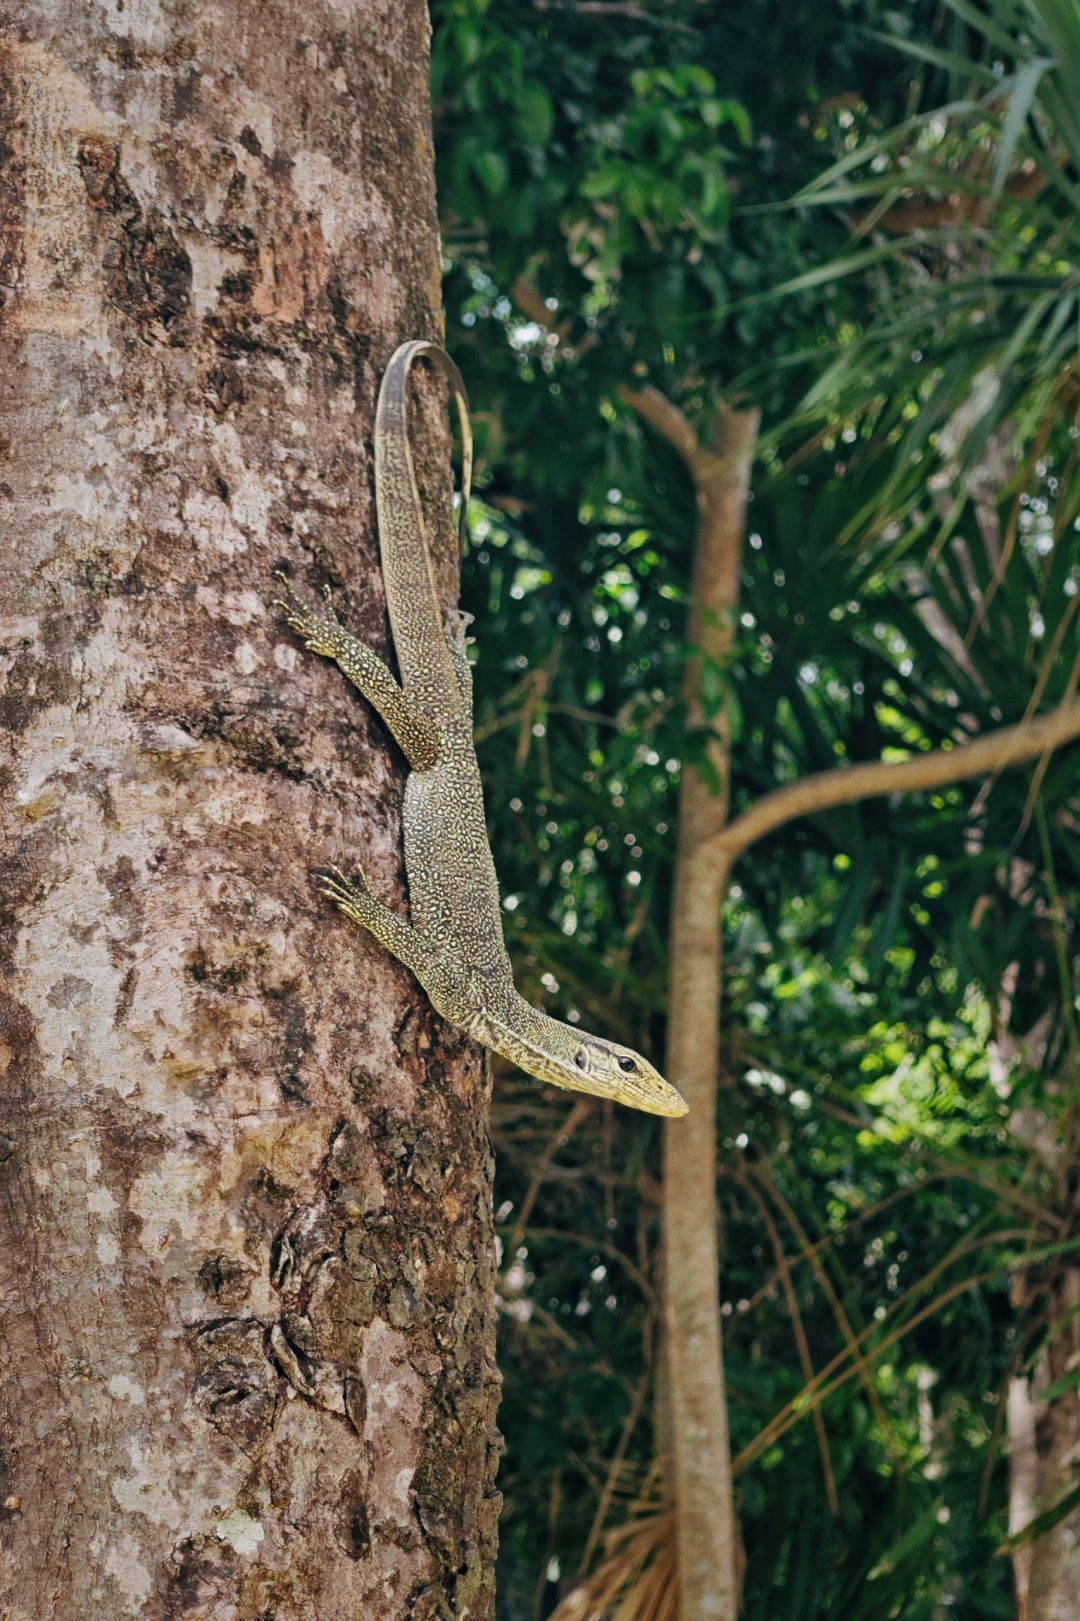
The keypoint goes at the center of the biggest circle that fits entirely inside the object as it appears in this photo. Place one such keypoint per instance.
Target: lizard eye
(579, 1058)
(628, 1065)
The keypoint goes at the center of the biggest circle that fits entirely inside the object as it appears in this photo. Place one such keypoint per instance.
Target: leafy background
(862, 219)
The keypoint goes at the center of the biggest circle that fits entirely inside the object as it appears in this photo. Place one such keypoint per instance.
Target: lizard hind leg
(445, 986)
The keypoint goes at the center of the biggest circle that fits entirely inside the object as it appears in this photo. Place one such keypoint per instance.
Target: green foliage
(615, 158)
(628, 163)
(603, 157)
(972, 350)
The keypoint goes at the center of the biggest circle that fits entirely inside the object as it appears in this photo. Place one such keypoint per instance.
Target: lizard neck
(527, 1037)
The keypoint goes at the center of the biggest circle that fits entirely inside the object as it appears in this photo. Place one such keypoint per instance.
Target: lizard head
(607, 1070)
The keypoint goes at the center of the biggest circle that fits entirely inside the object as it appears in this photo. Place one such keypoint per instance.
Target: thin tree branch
(844, 785)
(602, 1507)
(762, 1171)
(580, 1109)
(811, 1397)
(670, 423)
(798, 1328)
(1044, 764)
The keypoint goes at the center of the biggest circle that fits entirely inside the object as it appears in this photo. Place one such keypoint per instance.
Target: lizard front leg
(446, 985)
(324, 633)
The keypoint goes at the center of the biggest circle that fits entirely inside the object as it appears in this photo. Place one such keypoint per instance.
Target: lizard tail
(427, 673)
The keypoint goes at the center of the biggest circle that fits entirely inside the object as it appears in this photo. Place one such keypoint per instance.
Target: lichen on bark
(247, 1367)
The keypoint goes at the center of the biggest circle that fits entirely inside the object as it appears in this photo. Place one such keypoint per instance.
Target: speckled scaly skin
(454, 942)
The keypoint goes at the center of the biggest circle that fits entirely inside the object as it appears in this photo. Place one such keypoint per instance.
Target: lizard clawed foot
(343, 891)
(457, 622)
(319, 628)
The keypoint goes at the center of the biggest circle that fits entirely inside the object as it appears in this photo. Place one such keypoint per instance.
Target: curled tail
(427, 673)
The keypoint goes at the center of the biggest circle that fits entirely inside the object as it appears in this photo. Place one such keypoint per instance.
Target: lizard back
(453, 888)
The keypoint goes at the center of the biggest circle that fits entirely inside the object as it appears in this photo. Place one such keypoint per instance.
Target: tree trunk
(708, 1543)
(1054, 1576)
(1044, 1436)
(1022, 1414)
(246, 1262)
(1044, 1445)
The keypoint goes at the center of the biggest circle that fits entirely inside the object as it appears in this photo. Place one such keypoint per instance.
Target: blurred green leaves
(911, 579)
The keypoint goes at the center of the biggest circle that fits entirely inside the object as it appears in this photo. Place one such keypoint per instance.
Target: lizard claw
(290, 605)
(457, 622)
(317, 627)
(328, 610)
(342, 890)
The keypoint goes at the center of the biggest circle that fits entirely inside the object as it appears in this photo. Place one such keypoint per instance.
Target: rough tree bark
(247, 1352)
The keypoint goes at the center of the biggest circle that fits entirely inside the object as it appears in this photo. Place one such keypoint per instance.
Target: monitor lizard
(454, 940)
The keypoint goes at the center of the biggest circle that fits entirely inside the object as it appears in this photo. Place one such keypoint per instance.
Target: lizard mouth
(669, 1102)
(649, 1094)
